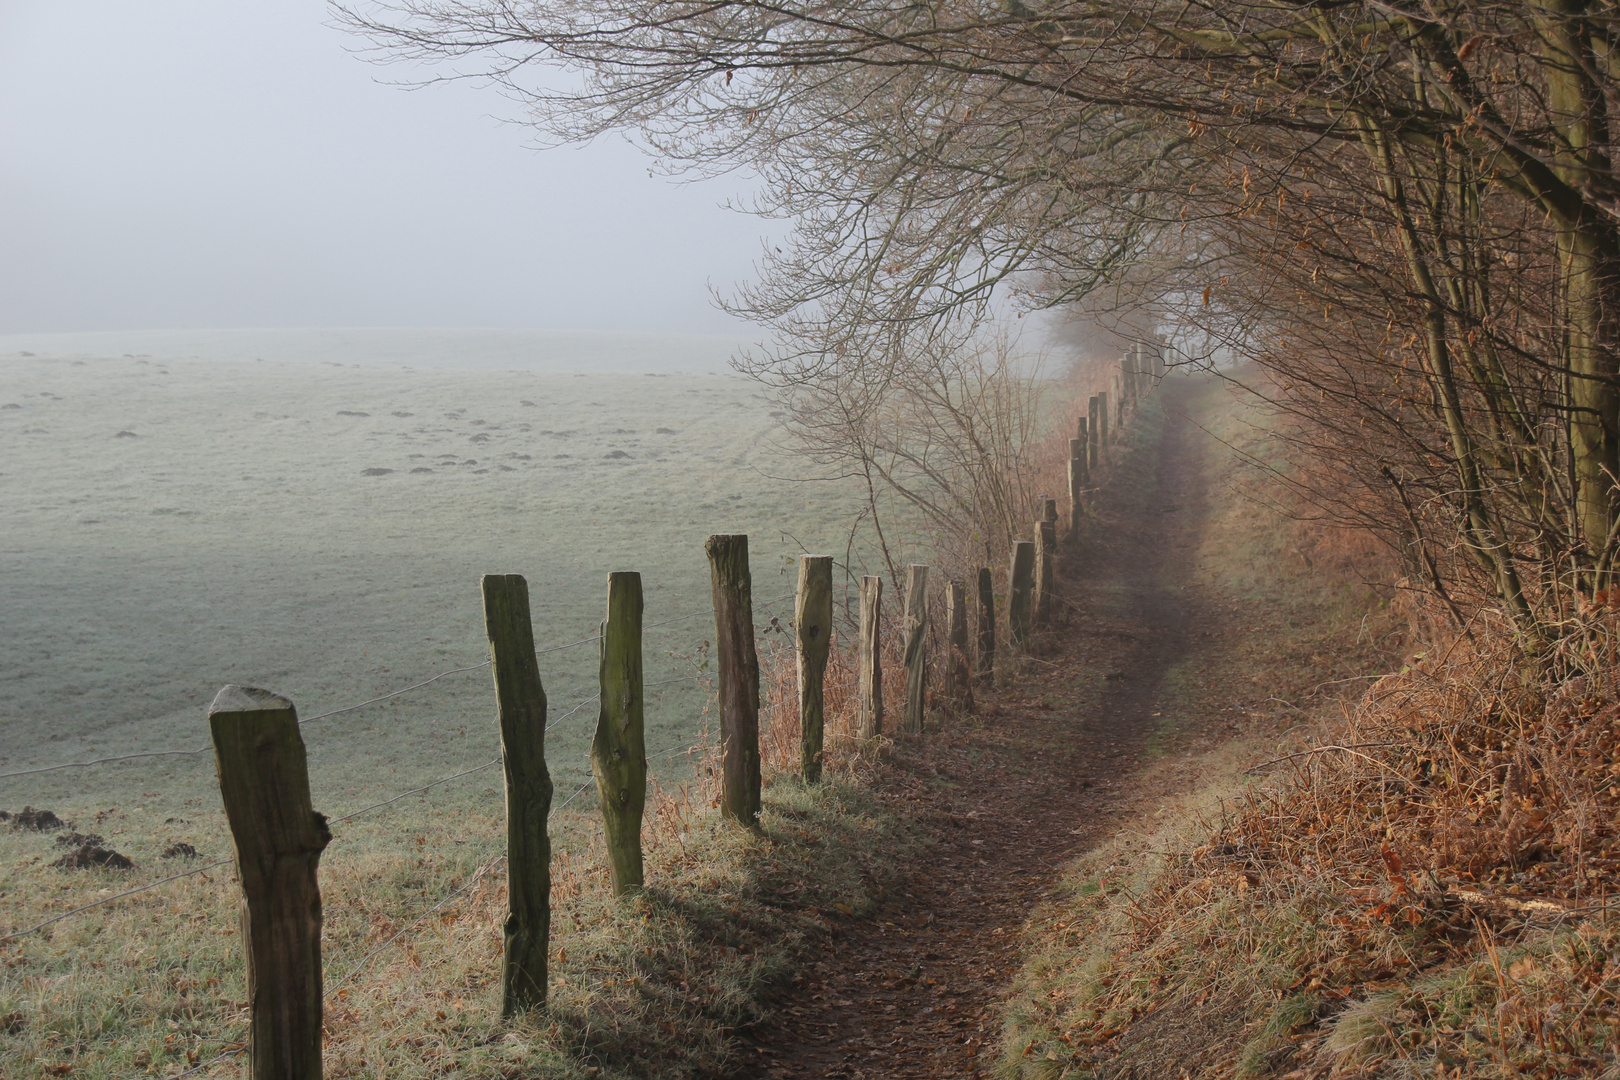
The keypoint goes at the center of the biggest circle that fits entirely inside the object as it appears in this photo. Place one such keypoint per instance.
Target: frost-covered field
(180, 514)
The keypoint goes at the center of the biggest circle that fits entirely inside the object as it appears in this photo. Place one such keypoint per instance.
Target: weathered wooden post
(278, 838)
(1094, 433)
(738, 664)
(1021, 585)
(520, 708)
(812, 618)
(1045, 571)
(1102, 425)
(869, 715)
(1078, 479)
(961, 675)
(619, 750)
(986, 672)
(916, 647)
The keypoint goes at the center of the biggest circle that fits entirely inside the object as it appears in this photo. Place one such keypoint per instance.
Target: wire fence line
(109, 899)
(367, 809)
(209, 745)
(335, 821)
(364, 960)
(362, 704)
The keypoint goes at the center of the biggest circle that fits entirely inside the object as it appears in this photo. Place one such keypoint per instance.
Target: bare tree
(1406, 210)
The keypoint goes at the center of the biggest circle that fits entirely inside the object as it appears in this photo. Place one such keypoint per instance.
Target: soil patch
(93, 857)
(38, 820)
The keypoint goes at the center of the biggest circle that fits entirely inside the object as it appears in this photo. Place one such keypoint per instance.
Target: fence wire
(359, 705)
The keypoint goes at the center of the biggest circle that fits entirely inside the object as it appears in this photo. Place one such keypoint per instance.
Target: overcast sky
(199, 163)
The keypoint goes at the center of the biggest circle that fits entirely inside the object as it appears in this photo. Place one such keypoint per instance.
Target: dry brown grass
(1421, 889)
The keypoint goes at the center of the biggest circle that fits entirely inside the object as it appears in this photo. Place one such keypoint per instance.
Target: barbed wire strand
(364, 960)
(348, 708)
(109, 899)
(416, 791)
(209, 746)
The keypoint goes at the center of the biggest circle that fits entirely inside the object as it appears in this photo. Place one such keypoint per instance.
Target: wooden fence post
(738, 664)
(619, 750)
(1045, 571)
(986, 672)
(1077, 481)
(961, 674)
(1102, 425)
(1094, 434)
(812, 619)
(869, 718)
(520, 708)
(916, 649)
(278, 838)
(1021, 584)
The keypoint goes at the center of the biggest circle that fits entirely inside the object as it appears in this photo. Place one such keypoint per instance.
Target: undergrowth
(1420, 889)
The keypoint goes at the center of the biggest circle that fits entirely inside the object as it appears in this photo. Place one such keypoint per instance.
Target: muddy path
(1050, 767)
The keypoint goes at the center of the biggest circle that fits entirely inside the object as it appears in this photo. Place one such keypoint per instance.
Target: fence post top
(243, 699)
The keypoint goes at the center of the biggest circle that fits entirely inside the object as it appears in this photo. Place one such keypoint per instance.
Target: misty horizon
(192, 167)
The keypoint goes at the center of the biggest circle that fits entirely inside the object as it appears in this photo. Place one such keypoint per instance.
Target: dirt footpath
(1052, 766)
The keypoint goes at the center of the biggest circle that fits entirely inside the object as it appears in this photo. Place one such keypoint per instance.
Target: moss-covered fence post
(812, 625)
(916, 647)
(985, 672)
(520, 709)
(738, 664)
(869, 660)
(1021, 585)
(619, 749)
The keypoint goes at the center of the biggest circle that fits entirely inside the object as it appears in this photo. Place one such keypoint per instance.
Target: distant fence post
(1021, 584)
(812, 619)
(278, 839)
(916, 650)
(1102, 425)
(738, 664)
(1045, 570)
(869, 717)
(1077, 479)
(1094, 433)
(520, 707)
(961, 676)
(986, 672)
(619, 750)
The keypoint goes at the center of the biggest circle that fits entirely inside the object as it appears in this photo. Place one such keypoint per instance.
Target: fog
(187, 163)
